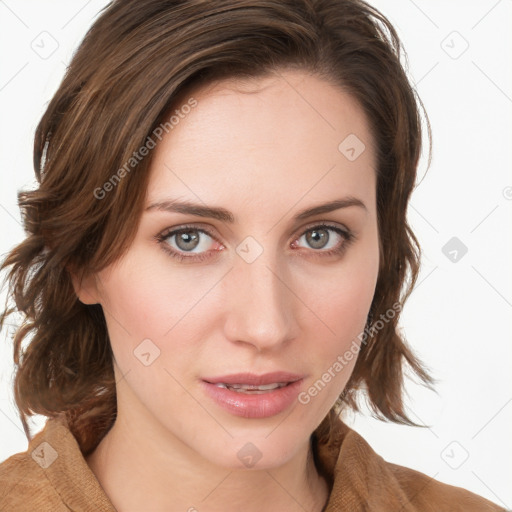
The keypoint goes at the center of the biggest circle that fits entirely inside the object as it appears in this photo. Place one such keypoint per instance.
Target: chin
(257, 451)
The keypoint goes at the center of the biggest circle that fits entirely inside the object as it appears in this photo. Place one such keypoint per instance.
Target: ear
(85, 287)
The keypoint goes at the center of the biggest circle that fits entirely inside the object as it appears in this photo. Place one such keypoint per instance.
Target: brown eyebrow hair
(187, 207)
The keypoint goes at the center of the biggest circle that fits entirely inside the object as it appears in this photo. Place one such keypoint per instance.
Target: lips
(254, 396)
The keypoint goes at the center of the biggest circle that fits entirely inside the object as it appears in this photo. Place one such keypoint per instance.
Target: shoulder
(363, 480)
(24, 485)
(428, 494)
(51, 476)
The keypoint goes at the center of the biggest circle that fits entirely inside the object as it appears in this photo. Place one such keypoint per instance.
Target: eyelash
(161, 238)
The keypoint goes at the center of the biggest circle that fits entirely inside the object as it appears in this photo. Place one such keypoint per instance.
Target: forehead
(289, 135)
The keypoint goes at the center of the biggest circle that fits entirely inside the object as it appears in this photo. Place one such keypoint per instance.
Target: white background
(458, 318)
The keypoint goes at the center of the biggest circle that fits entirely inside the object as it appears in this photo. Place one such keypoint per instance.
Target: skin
(264, 149)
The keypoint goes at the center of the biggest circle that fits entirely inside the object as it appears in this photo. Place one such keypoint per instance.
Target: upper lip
(254, 380)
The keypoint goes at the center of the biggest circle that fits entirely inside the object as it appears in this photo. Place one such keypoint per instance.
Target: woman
(215, 265)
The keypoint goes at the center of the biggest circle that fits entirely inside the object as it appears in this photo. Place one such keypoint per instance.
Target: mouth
(254, 396)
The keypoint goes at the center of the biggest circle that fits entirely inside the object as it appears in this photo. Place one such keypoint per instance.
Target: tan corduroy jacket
(53, 476)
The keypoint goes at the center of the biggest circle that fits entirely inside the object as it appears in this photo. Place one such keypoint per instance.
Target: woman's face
(255, 292)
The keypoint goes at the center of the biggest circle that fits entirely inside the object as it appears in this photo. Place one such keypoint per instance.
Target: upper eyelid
(175, 230)
(324, 223)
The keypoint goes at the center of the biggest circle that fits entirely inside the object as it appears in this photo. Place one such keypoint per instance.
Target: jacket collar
(358, 478)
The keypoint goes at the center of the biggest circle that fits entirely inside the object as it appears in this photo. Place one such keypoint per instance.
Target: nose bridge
(261, 306)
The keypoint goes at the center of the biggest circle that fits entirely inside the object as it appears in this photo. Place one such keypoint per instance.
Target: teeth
(246, 388)
(263, 387)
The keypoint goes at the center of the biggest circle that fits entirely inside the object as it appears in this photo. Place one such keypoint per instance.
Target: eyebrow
(187, 207)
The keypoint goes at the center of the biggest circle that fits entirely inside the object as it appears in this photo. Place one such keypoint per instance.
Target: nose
(260, 306)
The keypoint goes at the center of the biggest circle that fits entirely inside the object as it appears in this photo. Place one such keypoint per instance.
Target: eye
(195, 244)
(187, 240)
(326, 240)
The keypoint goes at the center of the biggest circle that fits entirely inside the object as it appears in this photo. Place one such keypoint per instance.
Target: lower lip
(261, 405)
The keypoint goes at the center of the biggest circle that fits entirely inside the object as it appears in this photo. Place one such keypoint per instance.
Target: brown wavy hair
(134, 64)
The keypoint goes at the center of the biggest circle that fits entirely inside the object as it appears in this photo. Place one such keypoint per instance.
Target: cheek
(344, 315)
(347, 304)
(343, 298)
(147, 300)
(345, 292)
(342, 302)
(147, 310)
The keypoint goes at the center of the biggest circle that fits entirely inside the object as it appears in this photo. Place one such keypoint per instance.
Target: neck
(159, 473)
